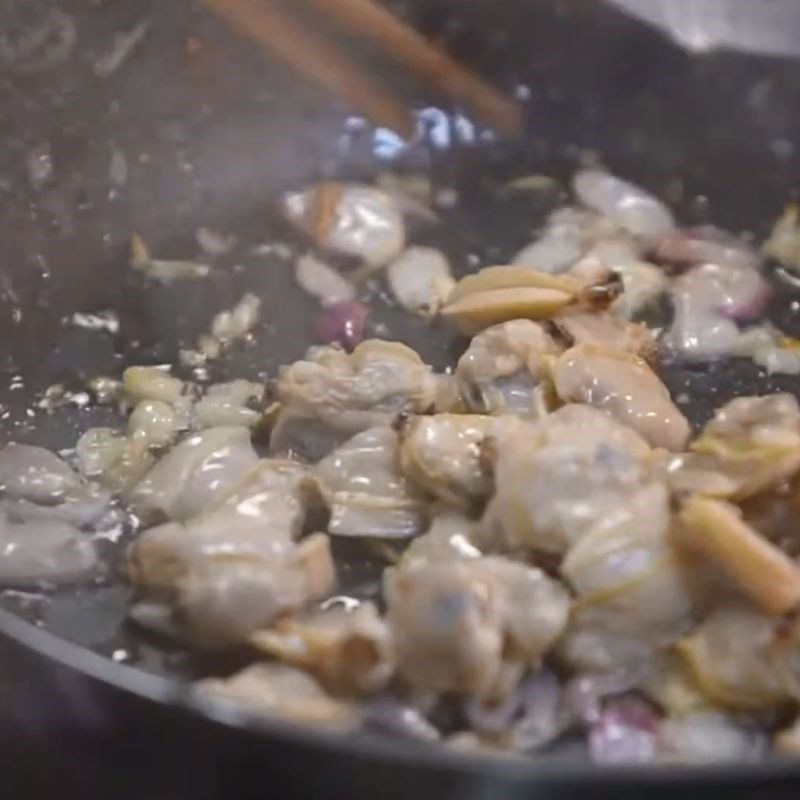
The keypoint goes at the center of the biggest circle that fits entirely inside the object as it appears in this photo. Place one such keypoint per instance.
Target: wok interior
(212, 134)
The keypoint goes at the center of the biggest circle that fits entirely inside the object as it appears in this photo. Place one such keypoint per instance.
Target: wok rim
(172, 692)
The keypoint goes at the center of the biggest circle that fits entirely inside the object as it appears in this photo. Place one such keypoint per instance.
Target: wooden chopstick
(266, 22)
(366, 18)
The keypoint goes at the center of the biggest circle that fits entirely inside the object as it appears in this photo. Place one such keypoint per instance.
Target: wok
(210, 132)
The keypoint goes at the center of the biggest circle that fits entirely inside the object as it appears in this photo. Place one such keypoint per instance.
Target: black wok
(211, 131)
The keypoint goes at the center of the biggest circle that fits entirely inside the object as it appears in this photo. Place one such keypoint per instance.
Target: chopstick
(266, 22)
(366, 18)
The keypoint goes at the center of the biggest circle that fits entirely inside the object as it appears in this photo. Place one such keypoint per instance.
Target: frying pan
(210, 132)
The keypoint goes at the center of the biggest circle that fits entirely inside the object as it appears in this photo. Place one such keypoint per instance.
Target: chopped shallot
(342, 323)
(625, 733)
(227, 326)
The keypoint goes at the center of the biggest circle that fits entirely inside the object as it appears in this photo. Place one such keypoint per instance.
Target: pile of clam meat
(565, 561)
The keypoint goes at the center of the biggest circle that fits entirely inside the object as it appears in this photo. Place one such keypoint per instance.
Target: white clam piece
(420, 280)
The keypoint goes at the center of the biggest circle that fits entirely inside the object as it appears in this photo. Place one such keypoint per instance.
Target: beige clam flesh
(500, 294)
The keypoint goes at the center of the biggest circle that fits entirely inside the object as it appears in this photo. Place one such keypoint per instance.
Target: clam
(582, 327)
(420, 280)
(349, 218)
(222, 577)
(499, 294)
(284, 692)
(227, 404)
(556, 478)
(644, 284)
(449, 538)
(738, 660)
(230, 571)
(472, 625)
(631, 586)
(442, 456)
(348, 651)
(624, 386)
(669, 683)
(365, 490)
(195, 473)
(754, 442)
(329, 395)
(504, 370)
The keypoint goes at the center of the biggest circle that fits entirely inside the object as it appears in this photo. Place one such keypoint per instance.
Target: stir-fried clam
(632, 586)
(32, 476)
(348, 651)
(504, 370)
(754, 441)
(283, 692)
(555, 479)
(623, 385)
(442, 455)
(189, 478)
(578, 242)
(40, 550)
(330, 396)
(45, 511)
(354, 219)
(233, 567)
(562, 242)
(421, 280)
(365, 490)
(584, 327)
(472, 625)
(741, 659)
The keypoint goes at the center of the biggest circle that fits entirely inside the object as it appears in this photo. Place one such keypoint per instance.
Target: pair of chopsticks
(272, 25)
